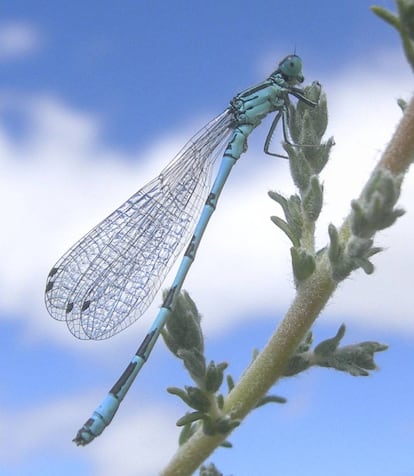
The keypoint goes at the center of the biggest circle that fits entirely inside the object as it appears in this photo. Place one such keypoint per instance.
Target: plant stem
(264, 371)
(399, 154)
(311, 297)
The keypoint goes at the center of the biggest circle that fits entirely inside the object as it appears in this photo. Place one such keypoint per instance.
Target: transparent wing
(108, 279)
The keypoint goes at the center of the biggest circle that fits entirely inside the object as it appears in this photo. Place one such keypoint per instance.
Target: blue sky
(94, 100)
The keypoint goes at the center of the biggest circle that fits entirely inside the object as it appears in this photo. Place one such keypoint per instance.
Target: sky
(94, 101)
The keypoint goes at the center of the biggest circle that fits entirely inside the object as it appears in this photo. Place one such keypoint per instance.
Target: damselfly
(108, 279)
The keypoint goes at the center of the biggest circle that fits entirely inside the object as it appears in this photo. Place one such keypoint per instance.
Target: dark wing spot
(49, 286)
(69, 307)
(85, 306)
(53, 271)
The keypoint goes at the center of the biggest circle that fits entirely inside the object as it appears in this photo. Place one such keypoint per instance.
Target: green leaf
(303, 263)
(230, 383)
(313, 199)
(286, 229)
(198, 399)
(356, 359)
(194, 362)
(335, 248)
(270, 399)
(329, 346)
(183, 330)
(300, 169)
(190, 418)
(214, 377)
(209, 470)
(386, 16)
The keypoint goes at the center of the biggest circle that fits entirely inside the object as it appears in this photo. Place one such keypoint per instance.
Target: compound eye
(291, 66)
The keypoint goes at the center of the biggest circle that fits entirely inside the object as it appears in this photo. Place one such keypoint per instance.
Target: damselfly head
(291, 68)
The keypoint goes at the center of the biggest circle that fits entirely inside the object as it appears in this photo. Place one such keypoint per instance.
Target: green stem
(308, 236)
(399, 153)
(265, 370)
(310, 299)
(270, 364)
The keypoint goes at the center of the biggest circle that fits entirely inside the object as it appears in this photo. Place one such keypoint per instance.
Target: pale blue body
(89, 287)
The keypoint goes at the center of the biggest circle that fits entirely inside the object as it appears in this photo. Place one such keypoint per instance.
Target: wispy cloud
(60, 180)
(18, 39)
(50, 426)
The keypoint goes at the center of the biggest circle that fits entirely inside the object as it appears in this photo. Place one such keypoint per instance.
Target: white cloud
(18, 39)
(364, 114)
(138, 443)
(56, 183)
(145, 440)
(60, 180)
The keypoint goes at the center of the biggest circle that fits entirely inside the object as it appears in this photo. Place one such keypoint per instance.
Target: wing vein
(107, 280)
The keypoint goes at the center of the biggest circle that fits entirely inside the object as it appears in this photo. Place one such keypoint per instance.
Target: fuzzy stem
(308, 236)
(310, 299)
(399, 154)
(263, 372)
(397, 157)
(270, 364)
